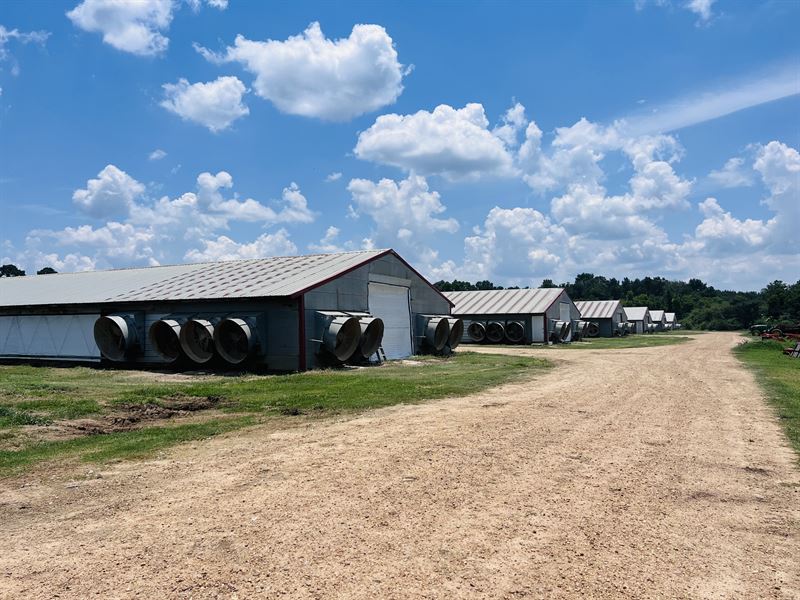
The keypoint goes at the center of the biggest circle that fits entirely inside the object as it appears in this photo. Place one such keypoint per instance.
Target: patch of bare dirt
(126, 417)
(596, 479)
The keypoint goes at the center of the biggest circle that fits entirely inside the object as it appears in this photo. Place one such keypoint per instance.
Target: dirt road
(653, 472)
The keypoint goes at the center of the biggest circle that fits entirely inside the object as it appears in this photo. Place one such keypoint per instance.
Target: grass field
(90, 414)
(779, 375)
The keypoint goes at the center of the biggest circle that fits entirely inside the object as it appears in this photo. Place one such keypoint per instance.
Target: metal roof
(597, 309)
(262, 277)
(656, 316)
(670, 317)
(496, 302)
(635, 313)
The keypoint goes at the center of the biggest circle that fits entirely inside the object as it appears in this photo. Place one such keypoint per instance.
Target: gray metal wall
(554, 311)
(609, 326)
(526, 320)
(350, 292)
(281, 347)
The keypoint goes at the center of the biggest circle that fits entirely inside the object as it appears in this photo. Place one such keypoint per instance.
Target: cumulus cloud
(134, 27)
(588, 229)
(145, 231)
(721, 233)
(112, 193)
(329, 242)
(572, 165)
(157, 154)
(734, 173)
(313, 76)
(454, 143)
(215, 105)
(514, 244)
(21, 37)
(113, 240)
(224, 248)
(335, 176)
(405, 214)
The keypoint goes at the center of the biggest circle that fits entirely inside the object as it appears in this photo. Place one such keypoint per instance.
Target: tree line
(15, 271)
(696, 304)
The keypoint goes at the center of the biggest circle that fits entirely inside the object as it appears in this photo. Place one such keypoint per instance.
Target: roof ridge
(208, 262)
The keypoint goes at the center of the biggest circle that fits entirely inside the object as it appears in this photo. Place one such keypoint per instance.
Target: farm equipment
(775, 331)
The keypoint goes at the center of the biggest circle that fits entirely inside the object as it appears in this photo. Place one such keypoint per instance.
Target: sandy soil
(654, 472)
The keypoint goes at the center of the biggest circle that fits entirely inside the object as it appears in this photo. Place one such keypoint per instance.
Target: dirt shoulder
(647, 472)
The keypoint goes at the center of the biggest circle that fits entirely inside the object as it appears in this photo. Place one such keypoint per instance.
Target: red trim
(301, 307)
(367, 261)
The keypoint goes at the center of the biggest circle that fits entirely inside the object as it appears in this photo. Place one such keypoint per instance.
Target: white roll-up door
(392, 303)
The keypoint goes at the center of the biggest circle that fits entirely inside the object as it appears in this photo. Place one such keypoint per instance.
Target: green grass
(38, 396)
(629, 341)
(779, 375)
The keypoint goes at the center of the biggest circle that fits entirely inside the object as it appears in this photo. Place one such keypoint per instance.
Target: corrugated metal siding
(493, 302)
(264, 277)
(670, 317)
(597, 309)
(656, 316)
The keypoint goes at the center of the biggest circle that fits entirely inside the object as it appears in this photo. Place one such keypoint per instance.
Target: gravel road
(641, 473)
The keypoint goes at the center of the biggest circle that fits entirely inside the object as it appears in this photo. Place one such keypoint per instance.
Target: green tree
(11, 271)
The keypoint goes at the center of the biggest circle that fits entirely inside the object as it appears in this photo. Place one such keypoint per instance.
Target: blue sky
(509, 141)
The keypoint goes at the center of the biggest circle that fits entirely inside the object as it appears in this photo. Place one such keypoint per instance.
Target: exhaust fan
(116, 336)
(495, 332)
(235, 339)
(476, 331)
(515, 332)
(164, 336)
(371, 336)
(342, 336)
(456, 332)
(197, 340)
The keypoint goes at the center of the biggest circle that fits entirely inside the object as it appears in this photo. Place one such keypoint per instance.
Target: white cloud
(313, 76)
(113, 193)
(702, 8)
(115, 240)
(722, 234)
(735, 173)
(405, 214)
(779, 166)
(454, 143)
(218, 4)
(134, 27)
(21, 37)
(514, 244)
(215, 105)
(335, 176)
(207, 210)
(295, 209)
(329, 242)
(157, 154)
(224, 248)
(166, 229)
(723, 100)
